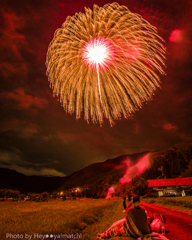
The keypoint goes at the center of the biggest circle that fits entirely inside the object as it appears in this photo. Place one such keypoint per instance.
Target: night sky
(38, 137)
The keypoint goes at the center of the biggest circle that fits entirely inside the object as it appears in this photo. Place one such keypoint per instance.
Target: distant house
(171, 187)
(86, 186)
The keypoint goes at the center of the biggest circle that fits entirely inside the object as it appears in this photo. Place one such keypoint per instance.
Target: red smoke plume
(132, 170)
(111, 190)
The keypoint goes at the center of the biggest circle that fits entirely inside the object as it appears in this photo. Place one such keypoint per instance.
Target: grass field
(182, 199)
(177, 203)
(67, 217)
(86, 218)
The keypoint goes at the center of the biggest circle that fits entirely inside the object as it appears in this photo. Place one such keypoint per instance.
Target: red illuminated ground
(178, 224)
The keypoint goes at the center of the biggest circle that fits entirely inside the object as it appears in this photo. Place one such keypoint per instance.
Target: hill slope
(172, 162)
(11, 179)
(110, 171)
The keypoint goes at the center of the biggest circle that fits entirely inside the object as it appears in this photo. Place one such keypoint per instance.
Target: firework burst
(105, 63)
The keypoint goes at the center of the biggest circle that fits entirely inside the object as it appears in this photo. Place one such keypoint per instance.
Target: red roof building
(172, 182)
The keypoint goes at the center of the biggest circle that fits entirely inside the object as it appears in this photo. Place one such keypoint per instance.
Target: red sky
(38, 137)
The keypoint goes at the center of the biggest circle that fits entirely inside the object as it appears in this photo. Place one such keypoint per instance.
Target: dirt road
(178, 224)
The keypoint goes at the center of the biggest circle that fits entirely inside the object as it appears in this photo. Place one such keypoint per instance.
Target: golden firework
(105, 63)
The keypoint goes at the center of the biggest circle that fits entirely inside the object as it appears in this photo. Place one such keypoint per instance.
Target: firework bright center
(98, 53)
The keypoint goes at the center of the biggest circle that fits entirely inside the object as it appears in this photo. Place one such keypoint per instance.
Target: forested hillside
(172, 162)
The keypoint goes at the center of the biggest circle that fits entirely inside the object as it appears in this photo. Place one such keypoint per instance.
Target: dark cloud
(38, 137)
(23, 100)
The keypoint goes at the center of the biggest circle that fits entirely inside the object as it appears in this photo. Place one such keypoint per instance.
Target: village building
(171, 187)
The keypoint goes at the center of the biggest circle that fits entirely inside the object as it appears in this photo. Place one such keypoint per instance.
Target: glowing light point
(98, 53)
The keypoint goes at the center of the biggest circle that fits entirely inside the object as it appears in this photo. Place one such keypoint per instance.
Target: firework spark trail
(97, 53)
(105, 63)
(99, 83)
